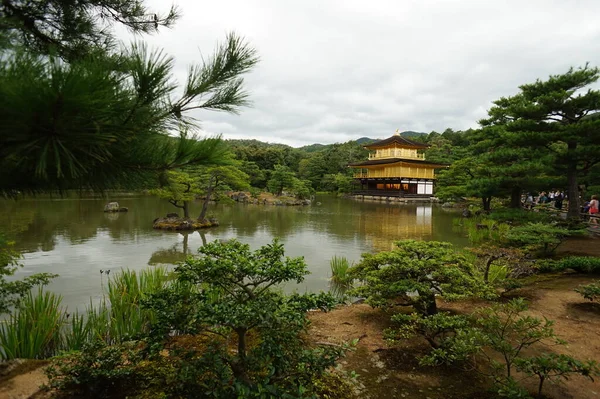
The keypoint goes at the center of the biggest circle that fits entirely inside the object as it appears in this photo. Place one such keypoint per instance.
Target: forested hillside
(320, 167)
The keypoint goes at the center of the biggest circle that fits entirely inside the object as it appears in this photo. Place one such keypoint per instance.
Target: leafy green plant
(538, 237)
(499, 263)
(220, 329)
(590, 291)
(482, 229)
(12, 292)
(33, 331)
(103, 371)
(554, 367)
(413, 274)
(507, 331)
(500, 335)
(582, 264)
(517, 216)
(439, 330)
(340, 281)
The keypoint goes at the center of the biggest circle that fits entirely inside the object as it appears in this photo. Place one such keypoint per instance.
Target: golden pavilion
(396, 168)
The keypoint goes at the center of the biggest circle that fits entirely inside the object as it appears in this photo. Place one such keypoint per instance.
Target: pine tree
(558, 116)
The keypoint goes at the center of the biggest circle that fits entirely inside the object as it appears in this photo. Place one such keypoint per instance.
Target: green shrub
(218, 331)
(519, 216)
(554, 367)
(482, 229)
(537, 237)
(590, 291)
(582, 264)
(340, 279)
(12, 292)
(500, 336)
(439, 330)
(102, 371)
(33, 331)
(413, 273)
(548, 266)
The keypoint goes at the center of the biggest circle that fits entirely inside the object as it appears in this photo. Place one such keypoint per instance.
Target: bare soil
(394, 372)
(24, 381)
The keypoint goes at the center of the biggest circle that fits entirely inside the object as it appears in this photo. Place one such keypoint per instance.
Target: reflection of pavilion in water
(391, 223)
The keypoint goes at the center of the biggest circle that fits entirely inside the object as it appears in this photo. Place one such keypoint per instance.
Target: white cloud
(337, 70)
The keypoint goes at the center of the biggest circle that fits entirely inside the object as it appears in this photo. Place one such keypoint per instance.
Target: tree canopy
(559, 116)
(78, 111)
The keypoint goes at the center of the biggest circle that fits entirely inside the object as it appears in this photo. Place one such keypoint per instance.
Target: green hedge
(581, 264)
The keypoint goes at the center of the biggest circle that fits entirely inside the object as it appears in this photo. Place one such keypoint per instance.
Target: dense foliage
(221, 330)
(413, 274)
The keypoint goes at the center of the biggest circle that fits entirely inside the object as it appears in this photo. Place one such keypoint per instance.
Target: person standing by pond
(594, 206)
(558, 200)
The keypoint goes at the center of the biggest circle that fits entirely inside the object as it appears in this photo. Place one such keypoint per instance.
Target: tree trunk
(202, 216)
(488, 265)
(185, 243)
(572, 186)
(186, 209)
(241, 332)
(486, 203)
(515, 197)
(426, 303)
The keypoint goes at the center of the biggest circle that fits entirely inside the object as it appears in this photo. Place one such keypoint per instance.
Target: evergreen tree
(76, 112)
(281, 178)
(558, 116)
(83, 124)
(215, 180)
(73, 29)
(180, 190)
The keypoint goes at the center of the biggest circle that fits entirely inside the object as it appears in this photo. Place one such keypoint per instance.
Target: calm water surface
(75, 239)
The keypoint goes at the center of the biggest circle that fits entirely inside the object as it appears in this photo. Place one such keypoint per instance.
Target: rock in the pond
(114, 207)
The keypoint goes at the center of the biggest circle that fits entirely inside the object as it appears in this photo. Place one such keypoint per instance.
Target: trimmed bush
(582, 264)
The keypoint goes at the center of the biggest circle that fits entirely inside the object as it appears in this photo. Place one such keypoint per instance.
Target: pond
(75, 239)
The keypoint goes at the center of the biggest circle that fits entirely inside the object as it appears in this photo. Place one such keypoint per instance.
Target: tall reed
(126, 291)
(40, 327)
(33, 330)
(340, 279)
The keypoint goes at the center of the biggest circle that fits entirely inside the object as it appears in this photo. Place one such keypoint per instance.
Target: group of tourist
(591, 207)
(555, 196)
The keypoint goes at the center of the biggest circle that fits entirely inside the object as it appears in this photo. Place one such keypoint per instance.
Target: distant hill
(316, 147)
(313, 147)
(365, 140)
(409, 133)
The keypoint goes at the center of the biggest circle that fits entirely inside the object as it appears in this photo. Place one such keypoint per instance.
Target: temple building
(396, 168)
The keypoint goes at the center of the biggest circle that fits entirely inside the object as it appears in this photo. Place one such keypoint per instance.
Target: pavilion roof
(396, 139)
(386, 161)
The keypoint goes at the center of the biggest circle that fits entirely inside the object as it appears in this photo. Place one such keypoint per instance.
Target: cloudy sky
(336, 70)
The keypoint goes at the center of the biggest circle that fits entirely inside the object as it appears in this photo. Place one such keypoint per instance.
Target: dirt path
(24, 381)
(386, 372)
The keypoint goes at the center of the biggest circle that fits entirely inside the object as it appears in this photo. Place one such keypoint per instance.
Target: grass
(480, 230)
(340, 280)
(41, 327)
(34, 331)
